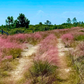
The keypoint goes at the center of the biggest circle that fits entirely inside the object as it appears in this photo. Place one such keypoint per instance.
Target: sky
(56, 11)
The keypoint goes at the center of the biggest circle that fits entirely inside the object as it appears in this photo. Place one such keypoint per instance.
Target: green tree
(9, 20)
(47, 22)
(40, 23)
(27, 23)
(21, 18)
(16, 23)
(47, 25)
(55, 26)
(68, 20)
(74, 20)
(23, 21)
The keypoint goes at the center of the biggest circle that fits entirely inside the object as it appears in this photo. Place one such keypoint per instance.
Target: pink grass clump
(51, 56)
(7, 57)
(48, 50)
(20, 36)
(78, 52)
(49, 42)
(67, 39)
(8, 48)
(0, 56)
(81, 49)
(5, 44)
(37, 36)
(25, 38)
(28, 37)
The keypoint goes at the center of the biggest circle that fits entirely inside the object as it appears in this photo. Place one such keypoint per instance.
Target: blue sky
(56, 11)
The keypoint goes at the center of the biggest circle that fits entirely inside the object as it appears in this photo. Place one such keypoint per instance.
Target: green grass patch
(15, 52)
(79, 38)
(73, 74)
(41, 72)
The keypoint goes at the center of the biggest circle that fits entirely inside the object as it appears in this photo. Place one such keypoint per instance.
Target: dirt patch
(63, 68)
(24, 62)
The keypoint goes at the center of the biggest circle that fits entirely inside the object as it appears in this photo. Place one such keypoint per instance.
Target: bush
(48, 43)
(40, 70)
(80, 48)
(67, 39)
(79, 38)
(16, 52)
(48, 50)
(78, 60)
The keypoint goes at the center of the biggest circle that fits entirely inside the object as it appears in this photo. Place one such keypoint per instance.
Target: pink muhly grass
(63, 30)
(78, 52)
(81, 49)
(67, 39)
(48, 50)
(25, 37)
(11, 45)
(19, 36)
(81, 46)
(51, 56)
(10, 38)
(7, 57)
(44, 34)
(4, 43)
(28, 36)
(37, 36)
(0, 56)
(49, 42)
(6, 46)
(22, 38)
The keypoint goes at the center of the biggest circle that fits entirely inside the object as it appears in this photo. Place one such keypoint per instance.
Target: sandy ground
(24, 62)
(64, 69)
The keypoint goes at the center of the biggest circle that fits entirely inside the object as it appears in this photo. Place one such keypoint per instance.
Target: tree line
(21, 21)
(74, 20)
(22, 25)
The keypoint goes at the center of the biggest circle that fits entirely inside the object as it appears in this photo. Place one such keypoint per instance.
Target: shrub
(22, 38)
(51, 56)
(78, 60)
(48, 50)
(7, 58)
(67, 39)
(36, 38)
(49, 42)
(9, 50)
(40, 70)
(81, 49)
(15, 52)
(79, 38)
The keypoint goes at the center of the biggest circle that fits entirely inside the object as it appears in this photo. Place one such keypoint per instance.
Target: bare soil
(24, 62)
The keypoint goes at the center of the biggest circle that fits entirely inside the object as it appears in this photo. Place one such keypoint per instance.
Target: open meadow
(45, 57)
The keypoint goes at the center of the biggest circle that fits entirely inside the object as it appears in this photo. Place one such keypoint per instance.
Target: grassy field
(58, 59)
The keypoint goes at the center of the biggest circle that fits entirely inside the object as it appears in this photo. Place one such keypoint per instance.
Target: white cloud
(40, 12)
